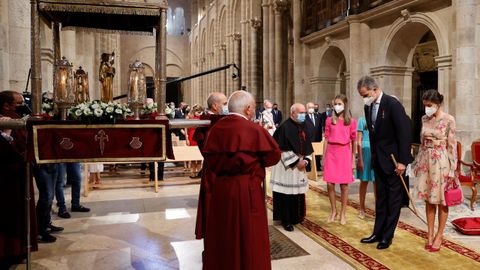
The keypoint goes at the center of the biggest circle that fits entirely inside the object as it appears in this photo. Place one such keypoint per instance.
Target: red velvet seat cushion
(468, 225)
(464, 179)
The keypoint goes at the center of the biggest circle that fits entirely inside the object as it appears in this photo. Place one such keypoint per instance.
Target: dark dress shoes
(47, 238)
(369, 240)
(384, 244)
(288, 227)
(54, 229)
(80, 208)
(64, 214)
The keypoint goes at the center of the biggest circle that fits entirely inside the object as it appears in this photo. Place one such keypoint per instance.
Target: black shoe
(80, 208)
(288, 227)
(54, 229)
(47, 238)
(369, 240)
(383, 244)
(64, 214)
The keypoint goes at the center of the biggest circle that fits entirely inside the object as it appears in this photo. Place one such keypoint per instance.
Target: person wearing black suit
(277, 115)
(389, 134)
(313, 127)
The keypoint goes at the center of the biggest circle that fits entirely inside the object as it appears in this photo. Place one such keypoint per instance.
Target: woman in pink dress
(339, 144)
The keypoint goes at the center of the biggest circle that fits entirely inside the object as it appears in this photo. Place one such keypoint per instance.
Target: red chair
(476, 161)
(467, 180)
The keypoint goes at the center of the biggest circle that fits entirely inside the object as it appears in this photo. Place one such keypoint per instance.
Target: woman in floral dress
(435, 164)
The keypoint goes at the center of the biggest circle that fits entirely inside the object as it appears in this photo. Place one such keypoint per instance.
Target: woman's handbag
(453, 194)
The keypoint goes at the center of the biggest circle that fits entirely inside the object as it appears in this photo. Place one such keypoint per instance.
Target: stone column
(280, 59)
(444, 65)
(356, 65)
(466, 101)
(271, 54)
(265, 47)
(4, 46)
(255, 67)
(161, 63)
(57, 53)
(237, 52)
(223, 74)
(298, 55)
(243, 64)
(36, 73)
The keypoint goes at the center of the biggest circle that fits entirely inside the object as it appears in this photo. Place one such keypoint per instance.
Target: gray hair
(239, 100)
(213, 98)
(267, 101)
(294, 107)
(368, 82)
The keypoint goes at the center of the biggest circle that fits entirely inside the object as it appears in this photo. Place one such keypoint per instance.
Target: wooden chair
(465, 179)
(476, 161)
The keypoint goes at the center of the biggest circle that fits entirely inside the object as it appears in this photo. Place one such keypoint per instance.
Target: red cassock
(12, 200)
(237, 151)
(204, 195)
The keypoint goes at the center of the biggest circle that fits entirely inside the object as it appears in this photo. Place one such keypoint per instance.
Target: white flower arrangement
(98, 111)
(150, 107)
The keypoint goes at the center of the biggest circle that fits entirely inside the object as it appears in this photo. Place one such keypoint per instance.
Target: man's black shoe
(80, 208)
(64, 214)
(372, 239)
(383, 244)
(47, 238)
(54, 229)
(288, 227)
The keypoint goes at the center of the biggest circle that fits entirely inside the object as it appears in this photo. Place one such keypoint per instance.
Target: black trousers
(388, 203)
(288, 208)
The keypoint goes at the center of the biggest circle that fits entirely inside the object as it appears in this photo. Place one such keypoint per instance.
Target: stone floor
(136, 228)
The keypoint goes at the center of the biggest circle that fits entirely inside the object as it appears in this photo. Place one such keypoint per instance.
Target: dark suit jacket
(277, 116)
(390, 134)
(314, 131)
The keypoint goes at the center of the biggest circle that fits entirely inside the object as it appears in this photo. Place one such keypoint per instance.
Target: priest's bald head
(243, 103)
(297, 112)
(216, 101)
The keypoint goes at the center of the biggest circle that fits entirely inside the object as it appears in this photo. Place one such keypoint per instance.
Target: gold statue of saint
(81, 86)
(106, 74)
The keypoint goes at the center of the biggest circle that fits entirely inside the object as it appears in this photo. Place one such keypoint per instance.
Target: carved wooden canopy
(104, 15)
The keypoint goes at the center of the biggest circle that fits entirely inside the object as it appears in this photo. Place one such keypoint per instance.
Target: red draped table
(124, 141)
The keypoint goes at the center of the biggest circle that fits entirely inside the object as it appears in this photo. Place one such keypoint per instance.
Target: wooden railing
(320, 14)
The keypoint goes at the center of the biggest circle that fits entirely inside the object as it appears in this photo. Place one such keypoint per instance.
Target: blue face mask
(224, 109)
(301, 117)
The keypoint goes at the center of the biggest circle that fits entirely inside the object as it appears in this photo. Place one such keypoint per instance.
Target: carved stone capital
(256, 23)
(406, 15)
(279, 6)
(223, 47)
(236, 36)
(328, 40)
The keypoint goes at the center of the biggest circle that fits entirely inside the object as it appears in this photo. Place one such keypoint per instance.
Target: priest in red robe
(13, 246)
(237, 151)
(216, 103)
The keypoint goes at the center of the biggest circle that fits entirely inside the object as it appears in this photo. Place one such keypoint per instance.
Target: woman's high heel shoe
(428, 246)
(432, 249)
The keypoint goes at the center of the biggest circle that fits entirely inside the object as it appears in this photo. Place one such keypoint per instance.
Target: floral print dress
(437, 158)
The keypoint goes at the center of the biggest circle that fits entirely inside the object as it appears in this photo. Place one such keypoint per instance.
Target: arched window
(176, 21)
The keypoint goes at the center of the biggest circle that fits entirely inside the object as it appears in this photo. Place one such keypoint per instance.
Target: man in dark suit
(389, 134)
(313, 127)
(277, 115)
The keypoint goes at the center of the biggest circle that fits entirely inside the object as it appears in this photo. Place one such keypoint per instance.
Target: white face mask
(311, 110)
(225, 109)
(368, 100)
(429, 111)
(269, 110)
(339, 108)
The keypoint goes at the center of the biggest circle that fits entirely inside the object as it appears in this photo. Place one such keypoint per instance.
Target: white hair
(267, 101)
(294, 107)
(239, 100)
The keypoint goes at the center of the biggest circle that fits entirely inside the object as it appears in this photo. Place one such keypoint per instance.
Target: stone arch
(330, 78)
(395, 63)
(222, 25)
(174, 71)
(404, 34)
